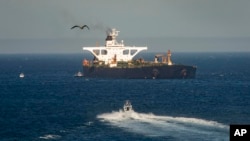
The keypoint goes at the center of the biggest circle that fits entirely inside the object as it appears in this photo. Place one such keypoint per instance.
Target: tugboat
(127, 106)
(115, 60)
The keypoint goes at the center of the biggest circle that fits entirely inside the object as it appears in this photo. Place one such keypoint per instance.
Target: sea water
(49, 103)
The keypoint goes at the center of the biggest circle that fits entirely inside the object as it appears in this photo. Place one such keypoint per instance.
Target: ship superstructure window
(125, 52)
(133, 51)
(104, 52)
(96, 51)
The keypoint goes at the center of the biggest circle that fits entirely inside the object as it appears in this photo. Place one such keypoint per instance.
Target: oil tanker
(115, 60)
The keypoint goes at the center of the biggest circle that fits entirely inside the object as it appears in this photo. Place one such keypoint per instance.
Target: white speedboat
(21, 75)
(127, 106)
(79, 74)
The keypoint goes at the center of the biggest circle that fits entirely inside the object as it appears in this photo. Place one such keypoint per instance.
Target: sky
(25, 25)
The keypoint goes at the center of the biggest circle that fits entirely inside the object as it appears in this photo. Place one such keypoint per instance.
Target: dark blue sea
(49, 103)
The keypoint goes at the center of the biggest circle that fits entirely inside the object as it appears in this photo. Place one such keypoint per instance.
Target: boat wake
(177, 128)
(50, 137)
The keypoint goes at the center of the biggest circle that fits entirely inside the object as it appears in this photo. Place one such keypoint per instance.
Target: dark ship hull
(143, 72)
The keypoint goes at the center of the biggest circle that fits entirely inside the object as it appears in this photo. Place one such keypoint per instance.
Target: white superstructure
(114, 51)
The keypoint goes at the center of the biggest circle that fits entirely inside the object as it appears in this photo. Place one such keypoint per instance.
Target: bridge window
(96, 51)
(104, 52)
(125, 52)
(133, 51)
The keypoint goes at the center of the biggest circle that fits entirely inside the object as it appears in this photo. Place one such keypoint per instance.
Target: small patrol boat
(21, 75)
(79, 74)
(127, 106)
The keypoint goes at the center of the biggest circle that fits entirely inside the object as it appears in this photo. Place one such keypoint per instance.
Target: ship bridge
(114, 51)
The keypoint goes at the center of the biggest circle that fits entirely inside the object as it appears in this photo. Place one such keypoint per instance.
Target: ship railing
(122, 64)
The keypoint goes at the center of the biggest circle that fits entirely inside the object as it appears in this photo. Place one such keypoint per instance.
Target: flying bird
(81, 27)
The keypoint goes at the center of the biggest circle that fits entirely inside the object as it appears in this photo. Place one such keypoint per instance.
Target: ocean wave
(174, 127)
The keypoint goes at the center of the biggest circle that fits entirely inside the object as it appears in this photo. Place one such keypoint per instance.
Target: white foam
(49, 137)
(176, 127)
